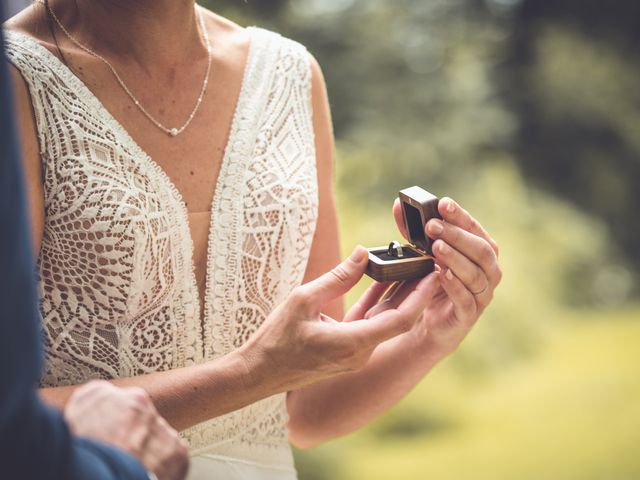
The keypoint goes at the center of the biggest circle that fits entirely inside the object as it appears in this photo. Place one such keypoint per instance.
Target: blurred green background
(528, 113)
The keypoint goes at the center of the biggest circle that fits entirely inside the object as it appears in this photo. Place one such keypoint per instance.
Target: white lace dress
(117, 285)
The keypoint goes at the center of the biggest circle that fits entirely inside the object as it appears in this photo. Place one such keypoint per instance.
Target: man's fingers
(338, 281)
(165, 454)
(453, 213)
(399, 217)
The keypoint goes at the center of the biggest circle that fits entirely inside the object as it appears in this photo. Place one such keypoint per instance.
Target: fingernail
(451, 206)
(358, 254)
(448, 274)
(435, 227)
(442, 247)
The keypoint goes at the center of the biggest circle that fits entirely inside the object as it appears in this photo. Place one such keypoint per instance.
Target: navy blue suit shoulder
(35, 442)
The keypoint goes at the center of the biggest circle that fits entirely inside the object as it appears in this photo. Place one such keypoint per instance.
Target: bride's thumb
(340, 279)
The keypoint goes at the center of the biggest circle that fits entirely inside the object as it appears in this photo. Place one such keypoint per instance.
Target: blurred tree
(411, 89)
(488, 100)
(572, 79)
(431, 91)
(409, 82)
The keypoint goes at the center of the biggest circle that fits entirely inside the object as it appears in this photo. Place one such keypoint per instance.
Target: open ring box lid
(418, 207)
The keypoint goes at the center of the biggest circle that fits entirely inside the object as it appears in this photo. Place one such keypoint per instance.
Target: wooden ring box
(418, 207)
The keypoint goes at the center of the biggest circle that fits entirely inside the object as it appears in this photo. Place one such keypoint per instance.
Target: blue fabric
(35, 442)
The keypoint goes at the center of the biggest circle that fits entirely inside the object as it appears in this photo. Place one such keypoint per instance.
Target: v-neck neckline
(136, 151)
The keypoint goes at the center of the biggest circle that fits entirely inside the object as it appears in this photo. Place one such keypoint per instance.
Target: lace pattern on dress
(118, 292)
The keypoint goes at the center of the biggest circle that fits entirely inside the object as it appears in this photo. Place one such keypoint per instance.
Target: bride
(179, 169)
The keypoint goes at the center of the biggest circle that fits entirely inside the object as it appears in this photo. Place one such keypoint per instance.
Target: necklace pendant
(173, 131)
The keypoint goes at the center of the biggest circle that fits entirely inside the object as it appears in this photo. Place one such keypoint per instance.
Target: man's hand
(127, 419)
(298, 345)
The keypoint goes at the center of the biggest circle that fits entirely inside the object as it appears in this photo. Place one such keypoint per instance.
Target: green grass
(570, 412)
(540, 389)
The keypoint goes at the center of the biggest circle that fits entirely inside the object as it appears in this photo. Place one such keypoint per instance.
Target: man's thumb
(341, 279)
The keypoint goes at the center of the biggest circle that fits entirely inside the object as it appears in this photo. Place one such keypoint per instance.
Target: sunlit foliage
(528, 113)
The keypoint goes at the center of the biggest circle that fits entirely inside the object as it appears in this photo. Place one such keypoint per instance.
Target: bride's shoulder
(31, 21)
(234, 36)
(224, 33)
(235, 41)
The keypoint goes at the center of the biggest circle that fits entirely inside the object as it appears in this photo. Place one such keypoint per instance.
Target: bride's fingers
(475, 248)
(464, 303)
(394, 296)
(395, 321)
(390, 292)
(370, 298)
(456, 215)
(472, 276)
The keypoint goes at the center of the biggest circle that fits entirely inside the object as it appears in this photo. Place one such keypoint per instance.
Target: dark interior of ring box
(417, 234)
(408, 253)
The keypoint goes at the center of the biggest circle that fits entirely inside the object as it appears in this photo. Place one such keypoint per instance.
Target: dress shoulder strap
(34, 63)
(292, 59)
(281, 71)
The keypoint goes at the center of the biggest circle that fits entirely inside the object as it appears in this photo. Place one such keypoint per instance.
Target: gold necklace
(170, 131)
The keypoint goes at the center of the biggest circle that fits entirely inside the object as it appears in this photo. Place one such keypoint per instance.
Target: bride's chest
(191, 161)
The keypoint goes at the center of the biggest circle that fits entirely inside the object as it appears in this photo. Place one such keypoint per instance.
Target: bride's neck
(150, 32)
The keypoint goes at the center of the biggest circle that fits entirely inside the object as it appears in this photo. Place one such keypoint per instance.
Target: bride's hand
(298, 345)
(469, 273)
